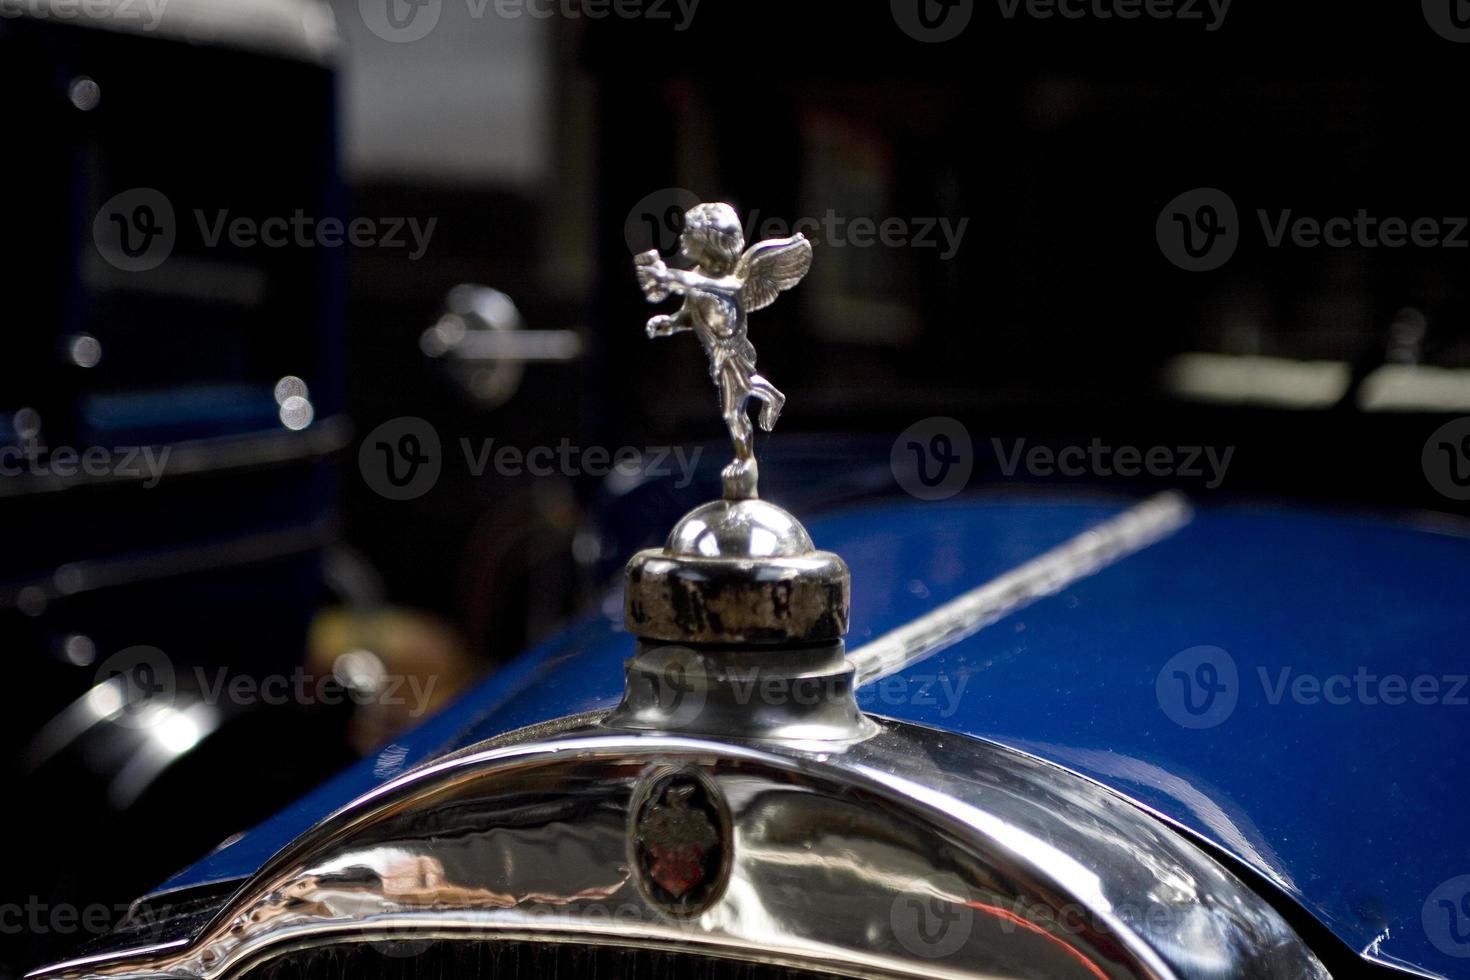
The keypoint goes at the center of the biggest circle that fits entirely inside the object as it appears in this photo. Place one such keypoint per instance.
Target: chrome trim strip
(1137, 528)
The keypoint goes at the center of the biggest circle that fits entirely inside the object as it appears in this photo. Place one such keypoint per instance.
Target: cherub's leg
(772, 401)
(732, 406)
(740, 476)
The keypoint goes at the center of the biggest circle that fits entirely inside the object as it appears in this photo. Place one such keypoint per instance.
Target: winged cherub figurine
(727, 283)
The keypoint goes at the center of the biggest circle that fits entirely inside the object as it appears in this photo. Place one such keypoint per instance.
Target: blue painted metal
(1174, 676)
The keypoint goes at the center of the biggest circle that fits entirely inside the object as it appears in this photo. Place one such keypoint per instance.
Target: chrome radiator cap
(740, 623)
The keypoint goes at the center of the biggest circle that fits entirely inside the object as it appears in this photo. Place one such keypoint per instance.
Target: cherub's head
(712, 237)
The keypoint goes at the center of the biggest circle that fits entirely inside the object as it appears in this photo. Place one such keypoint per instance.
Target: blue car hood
(1288, 686)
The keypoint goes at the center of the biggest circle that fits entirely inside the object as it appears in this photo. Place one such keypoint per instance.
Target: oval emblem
(681, 841)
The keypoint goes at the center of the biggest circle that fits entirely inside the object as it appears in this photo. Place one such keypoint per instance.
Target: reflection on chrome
(910, 854)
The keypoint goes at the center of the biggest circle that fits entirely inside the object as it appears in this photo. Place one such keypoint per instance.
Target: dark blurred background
(240, 441)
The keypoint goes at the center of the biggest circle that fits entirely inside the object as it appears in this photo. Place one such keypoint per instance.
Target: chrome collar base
(740, 622)
(804, 694)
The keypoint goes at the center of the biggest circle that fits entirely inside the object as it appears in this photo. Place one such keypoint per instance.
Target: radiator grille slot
(501, 960)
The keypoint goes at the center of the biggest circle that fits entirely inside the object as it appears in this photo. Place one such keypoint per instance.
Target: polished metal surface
(738, 529)
(794, 694)
(910, 854)
(727, 283)
(1133, 530)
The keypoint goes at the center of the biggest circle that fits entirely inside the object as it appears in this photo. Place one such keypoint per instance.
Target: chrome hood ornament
(728, 282)
(739, 617)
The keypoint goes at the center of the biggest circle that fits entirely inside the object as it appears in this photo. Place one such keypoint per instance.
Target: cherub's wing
(769, 268)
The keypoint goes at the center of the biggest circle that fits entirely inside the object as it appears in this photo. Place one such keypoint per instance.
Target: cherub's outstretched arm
(658, 281)
(681, 281)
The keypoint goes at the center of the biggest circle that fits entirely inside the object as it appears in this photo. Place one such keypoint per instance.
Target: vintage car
(1013, 735)
(842, 722)
(1069, 740)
